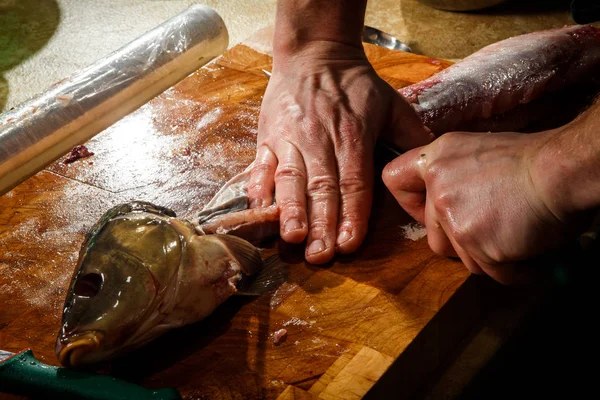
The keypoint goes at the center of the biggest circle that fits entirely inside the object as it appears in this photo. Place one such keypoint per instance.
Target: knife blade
(22, 374)
(4, 355)
(380, 38)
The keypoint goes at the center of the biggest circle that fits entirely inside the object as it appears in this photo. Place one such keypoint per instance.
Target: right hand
(486, 198)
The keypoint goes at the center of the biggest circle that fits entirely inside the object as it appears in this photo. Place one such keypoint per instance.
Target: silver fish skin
(505, 75)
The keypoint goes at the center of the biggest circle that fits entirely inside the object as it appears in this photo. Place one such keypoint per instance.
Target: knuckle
(289, 204)
(433, 174)
(505, 276)
(352, 218)
(495, 255)
(461, 237)
(286, 172)
(353, 184)
(322, 185)
(460, 229)
(320, 223)
(255, 187)
(261, 169)
(443, 201)
(447, 138)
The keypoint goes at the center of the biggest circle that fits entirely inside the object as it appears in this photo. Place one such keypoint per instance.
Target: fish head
(125, 267)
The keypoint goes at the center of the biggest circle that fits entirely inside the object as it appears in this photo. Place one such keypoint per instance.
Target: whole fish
(142, 272)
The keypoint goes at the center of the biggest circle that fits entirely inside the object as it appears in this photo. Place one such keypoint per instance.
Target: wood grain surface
(393, 303)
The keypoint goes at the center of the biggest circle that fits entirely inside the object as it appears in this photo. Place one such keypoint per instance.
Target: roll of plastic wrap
(73, 110)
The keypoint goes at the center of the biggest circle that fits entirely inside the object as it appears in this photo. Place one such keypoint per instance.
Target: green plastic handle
(23, 374)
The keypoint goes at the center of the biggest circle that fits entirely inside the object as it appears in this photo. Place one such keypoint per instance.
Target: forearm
(300, 23)
(570, 164)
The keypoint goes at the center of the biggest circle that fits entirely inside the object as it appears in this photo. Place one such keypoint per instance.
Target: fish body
(141, 272)
(505, 76)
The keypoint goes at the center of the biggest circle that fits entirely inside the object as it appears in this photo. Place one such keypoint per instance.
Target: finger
(403, 177)
(517, 273)
(406, 130)
(463, 254)
(290, 193)
(436, 235)
(356, 191)
(448, 245)
(323, 205)
(261, 183)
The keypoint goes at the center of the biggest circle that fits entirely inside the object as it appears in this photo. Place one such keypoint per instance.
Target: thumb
(406, 130)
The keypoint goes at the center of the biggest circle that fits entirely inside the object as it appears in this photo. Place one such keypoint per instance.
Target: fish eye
(88, 285)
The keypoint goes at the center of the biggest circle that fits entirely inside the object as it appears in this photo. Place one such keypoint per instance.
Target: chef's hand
(321, 114)
(491, 199)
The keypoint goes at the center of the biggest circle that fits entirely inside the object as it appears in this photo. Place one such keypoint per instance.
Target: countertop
(42, 41)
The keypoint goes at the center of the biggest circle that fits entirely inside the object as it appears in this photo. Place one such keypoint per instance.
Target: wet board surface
(393, 302)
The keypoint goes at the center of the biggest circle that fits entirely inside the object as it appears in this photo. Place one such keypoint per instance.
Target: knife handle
(23, 374)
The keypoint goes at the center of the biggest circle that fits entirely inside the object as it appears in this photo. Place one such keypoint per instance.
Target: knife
(380, 38)
(22, 374)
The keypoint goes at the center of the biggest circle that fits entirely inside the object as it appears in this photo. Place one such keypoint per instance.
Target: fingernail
(343, 237)
(316, 246)
(292, 225)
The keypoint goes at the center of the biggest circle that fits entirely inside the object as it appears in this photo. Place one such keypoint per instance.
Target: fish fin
(198, 229)
(235, 204)
(232, 196)
(151, 208)
(274, 273)
(243, 252)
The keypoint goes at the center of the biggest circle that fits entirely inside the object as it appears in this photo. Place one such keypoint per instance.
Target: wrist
(301, 27)
(565, 173)
(316, 54)
(289, 41)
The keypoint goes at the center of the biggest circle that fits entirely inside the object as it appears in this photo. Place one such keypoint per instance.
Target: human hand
(482, 197)
(321, 115)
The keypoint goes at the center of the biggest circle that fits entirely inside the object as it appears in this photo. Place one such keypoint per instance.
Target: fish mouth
(72, 354)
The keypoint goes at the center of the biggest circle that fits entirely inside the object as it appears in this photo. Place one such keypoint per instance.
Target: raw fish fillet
(506, 75)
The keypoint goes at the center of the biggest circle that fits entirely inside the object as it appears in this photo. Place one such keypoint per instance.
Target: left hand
(320, 117)
(479, 200)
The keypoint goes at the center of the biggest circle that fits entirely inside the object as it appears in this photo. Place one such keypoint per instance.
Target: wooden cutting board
(393, 303)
